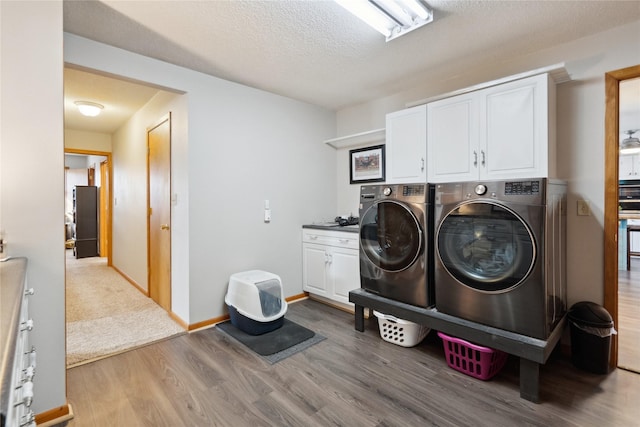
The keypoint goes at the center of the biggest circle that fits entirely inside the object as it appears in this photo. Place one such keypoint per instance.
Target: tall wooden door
(105, 209)
(159, 212)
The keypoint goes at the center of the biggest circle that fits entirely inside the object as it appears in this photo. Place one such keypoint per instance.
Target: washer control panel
(521, 188)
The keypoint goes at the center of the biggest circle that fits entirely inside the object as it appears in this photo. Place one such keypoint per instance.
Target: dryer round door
(390, 236)
(486, 246)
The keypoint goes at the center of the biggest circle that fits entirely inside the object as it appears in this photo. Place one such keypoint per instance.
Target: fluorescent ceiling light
(90, 109)
(391, 18)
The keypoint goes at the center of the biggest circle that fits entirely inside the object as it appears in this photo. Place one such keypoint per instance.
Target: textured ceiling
(314, 51)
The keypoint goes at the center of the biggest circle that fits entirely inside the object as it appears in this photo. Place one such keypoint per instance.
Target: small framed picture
(366, 164)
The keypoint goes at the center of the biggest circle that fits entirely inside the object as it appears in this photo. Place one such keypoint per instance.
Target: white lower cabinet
(330, 263)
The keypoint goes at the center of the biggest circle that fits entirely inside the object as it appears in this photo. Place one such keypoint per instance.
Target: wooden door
(159, 212)
(104, 209)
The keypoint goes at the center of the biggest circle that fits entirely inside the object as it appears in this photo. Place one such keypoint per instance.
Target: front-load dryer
(396, 243)
(500, 253)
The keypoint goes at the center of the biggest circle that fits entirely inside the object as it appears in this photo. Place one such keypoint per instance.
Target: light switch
(267, 211)
(583, 208)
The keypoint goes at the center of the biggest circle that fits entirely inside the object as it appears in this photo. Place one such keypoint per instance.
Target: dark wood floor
(350, 379)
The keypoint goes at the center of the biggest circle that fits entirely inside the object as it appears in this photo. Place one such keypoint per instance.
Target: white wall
(75, 162)
(130, 192)
(244, 146)
(84, 140)
(580, 136)
(32, 176)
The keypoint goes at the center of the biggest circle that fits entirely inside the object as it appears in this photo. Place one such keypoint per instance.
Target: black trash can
(591, 329)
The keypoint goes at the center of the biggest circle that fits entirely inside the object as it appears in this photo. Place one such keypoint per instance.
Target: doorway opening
(80, 171)
(612, 223)
(108, 308)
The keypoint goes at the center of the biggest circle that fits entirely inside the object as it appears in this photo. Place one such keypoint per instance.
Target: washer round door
(486, 246)
(390, 236)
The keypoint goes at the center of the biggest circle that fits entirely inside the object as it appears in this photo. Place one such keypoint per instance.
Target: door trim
(611, 141)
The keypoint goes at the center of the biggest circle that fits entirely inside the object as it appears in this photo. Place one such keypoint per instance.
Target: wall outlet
(583, 208)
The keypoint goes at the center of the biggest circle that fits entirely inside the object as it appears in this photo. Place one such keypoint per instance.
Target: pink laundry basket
(471, 359)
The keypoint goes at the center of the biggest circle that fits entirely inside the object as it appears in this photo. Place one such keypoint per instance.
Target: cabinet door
(345, 273)
(406, 145)
(314, 268)
(452, 139)
(628, 166)
(514, 129)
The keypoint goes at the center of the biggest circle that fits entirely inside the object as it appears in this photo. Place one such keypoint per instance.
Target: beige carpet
(106, 314)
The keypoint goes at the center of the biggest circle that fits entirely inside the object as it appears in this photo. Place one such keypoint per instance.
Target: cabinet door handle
(475, 158)
(483, 157)
(327, 258)
(343, 240)
(422, 164)
(311, 237)
(164, 226)
(27, 325)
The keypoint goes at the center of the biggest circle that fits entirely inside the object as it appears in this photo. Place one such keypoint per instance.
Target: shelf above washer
(357, 138)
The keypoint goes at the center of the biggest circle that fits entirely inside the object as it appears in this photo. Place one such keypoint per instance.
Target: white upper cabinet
(629, 166)
(406, 145)
(453, 138)
(501, 132)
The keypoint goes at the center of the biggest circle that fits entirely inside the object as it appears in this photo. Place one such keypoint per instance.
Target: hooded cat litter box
(255, 301)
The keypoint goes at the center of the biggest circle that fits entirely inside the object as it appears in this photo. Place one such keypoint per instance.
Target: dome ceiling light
(89, 109)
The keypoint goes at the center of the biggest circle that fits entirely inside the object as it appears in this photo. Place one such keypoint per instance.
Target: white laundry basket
(255, 301)
(399, 331)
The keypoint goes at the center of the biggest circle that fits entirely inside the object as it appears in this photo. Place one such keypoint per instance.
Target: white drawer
(343, 239)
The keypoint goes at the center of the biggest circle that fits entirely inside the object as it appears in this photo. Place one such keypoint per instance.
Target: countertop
(628, 214)
(12, 288)
(333, 226)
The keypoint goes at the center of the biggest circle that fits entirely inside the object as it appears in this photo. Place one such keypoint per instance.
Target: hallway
(106, 315)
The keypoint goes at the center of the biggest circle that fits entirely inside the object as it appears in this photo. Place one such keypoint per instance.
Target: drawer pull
(29, 373)
(32, 357)
(27, 326)
(28, 420)
(343, 240)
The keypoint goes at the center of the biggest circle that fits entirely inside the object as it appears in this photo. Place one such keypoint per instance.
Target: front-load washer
(396, 243)
(500, 253)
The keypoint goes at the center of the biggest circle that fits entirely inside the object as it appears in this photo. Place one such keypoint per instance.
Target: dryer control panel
(521, 188)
